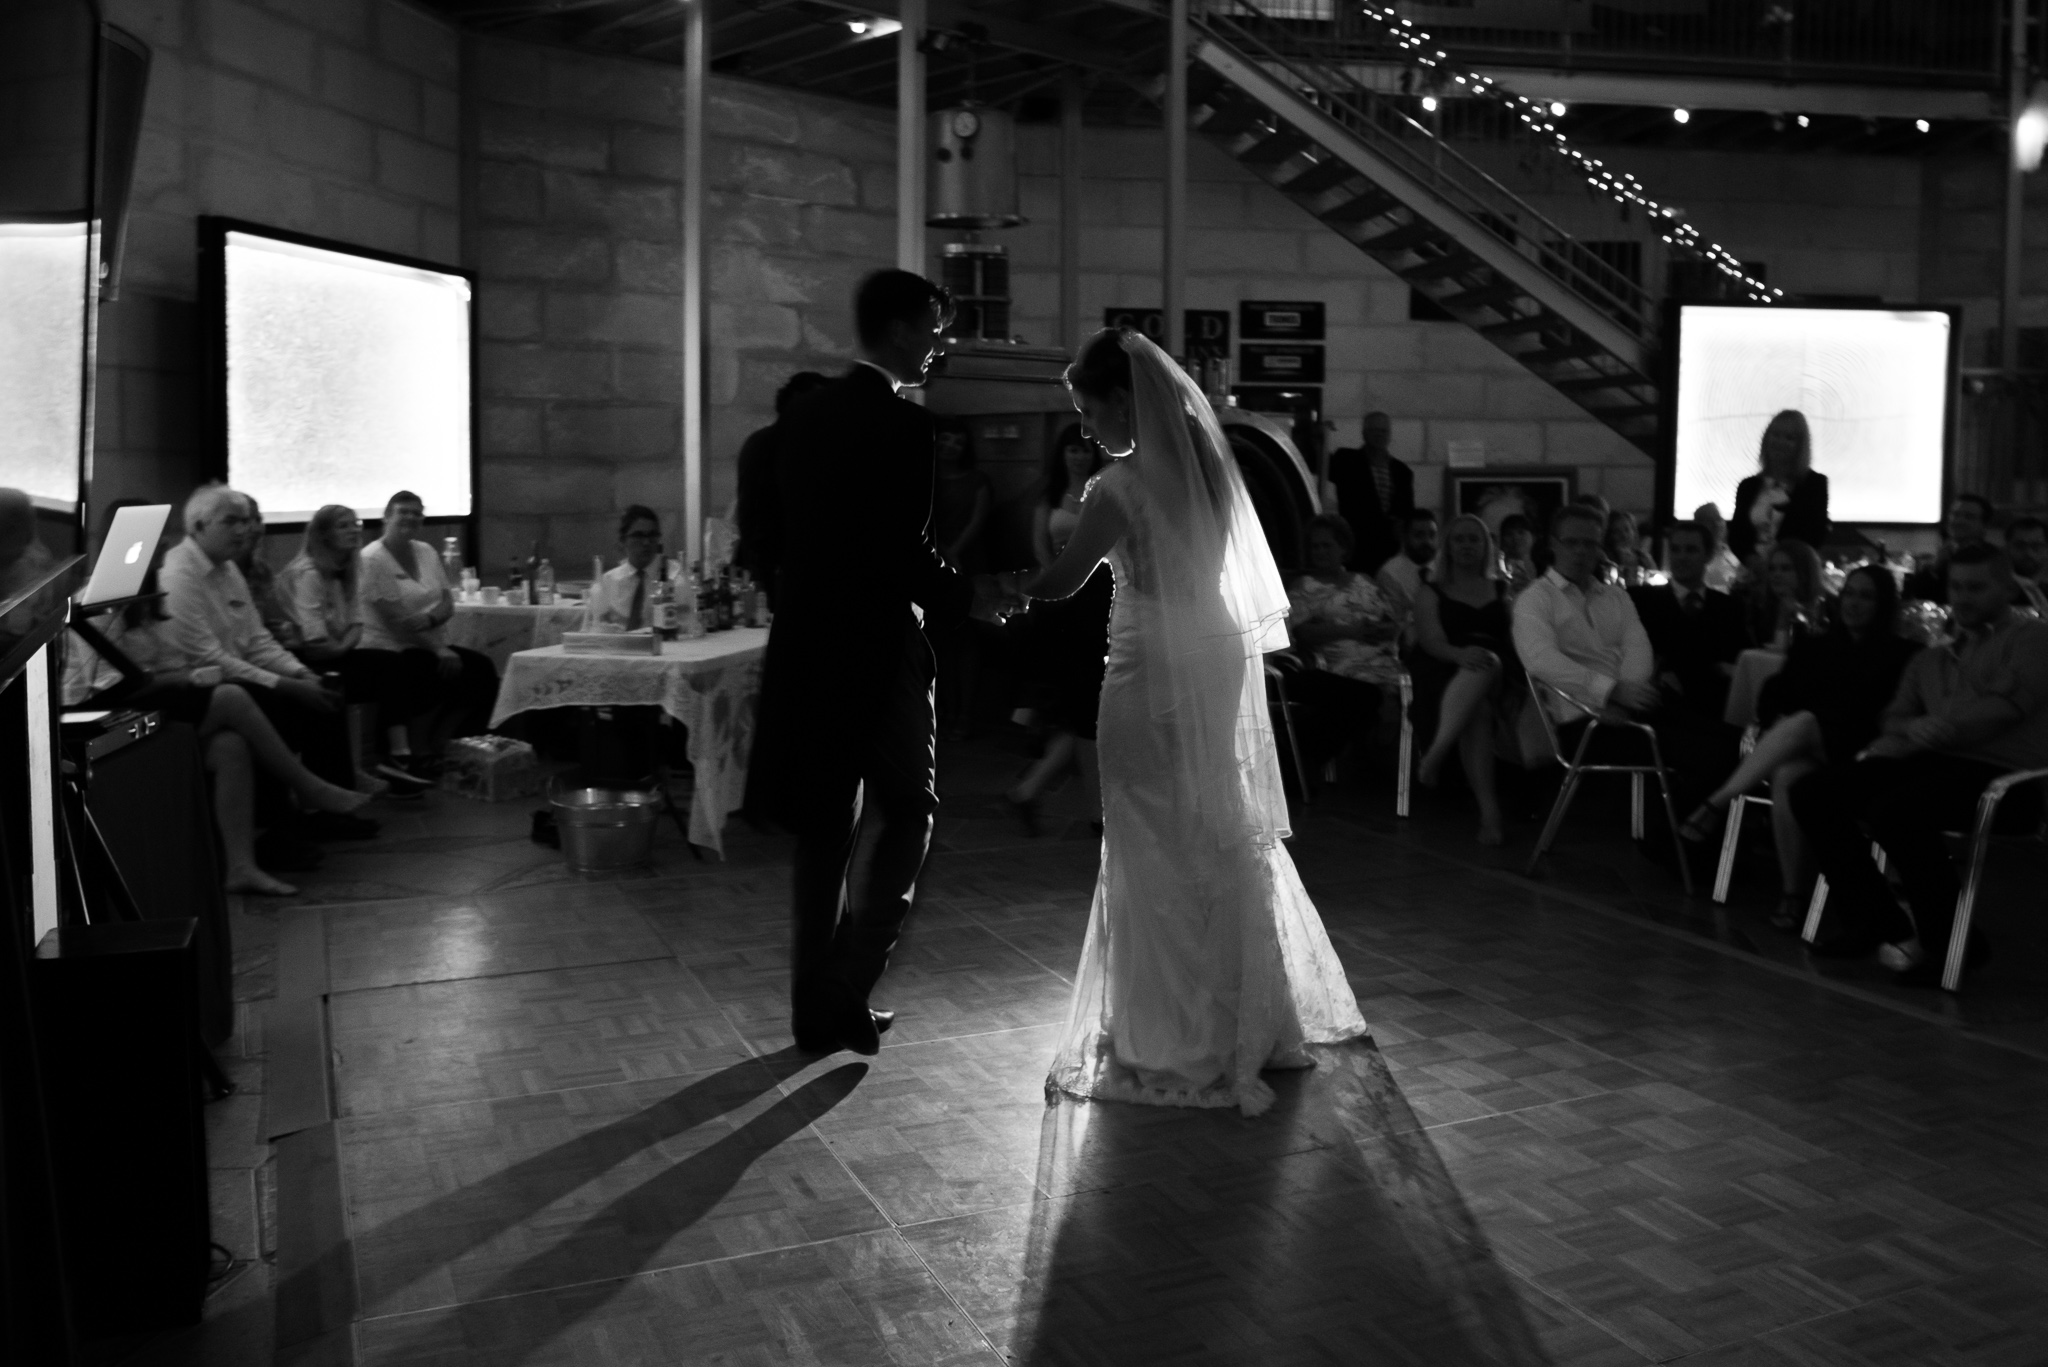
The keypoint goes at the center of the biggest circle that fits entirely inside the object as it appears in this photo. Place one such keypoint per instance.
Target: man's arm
(188, 599)
(933, 585)
(1638, 660)
(1536, 642)
(1909, 704)
(2019, 691)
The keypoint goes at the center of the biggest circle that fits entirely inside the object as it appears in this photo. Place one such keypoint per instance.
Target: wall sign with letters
(1207, 330)
(1279, 320)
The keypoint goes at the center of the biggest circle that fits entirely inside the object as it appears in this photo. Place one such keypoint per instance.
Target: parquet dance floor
(572, 1130)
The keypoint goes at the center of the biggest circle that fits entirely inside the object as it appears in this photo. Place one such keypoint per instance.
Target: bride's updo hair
(1103, 367)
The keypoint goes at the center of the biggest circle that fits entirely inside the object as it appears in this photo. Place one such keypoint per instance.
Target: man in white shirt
(620, 598)
(1401, 578)
(1584, 638)
(215, 618)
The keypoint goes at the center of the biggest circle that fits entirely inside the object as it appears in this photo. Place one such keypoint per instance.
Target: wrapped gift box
(490, 768)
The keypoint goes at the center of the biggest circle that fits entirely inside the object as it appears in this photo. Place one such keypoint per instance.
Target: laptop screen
(125, 556)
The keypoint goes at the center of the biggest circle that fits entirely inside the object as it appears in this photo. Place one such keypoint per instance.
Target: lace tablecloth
(499, 629)
(1752, 667)
(711, 685)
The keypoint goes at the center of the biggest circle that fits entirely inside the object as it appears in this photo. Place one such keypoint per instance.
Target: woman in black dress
(1786, 497)
(1466, 647)
(1066, 641)
(1823, 707)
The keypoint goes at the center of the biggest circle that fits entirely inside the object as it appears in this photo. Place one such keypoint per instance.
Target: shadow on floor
(1356, 1247)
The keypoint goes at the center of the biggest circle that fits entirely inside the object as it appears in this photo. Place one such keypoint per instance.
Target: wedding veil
(1221, 605)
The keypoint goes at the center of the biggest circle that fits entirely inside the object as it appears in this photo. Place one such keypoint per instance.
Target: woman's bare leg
(1059, 753)
(1790, 738)
(1795, 860)
(1475, 750)
(1465, 696)
(232, 709)
(234, 809)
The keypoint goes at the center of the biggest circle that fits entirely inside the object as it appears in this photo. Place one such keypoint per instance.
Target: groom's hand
(996, 596)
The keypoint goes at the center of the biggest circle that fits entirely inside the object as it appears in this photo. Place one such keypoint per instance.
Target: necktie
(1382, 482)
(636, 618)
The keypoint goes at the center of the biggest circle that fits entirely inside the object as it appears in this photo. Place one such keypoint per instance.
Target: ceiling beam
(1036, 39)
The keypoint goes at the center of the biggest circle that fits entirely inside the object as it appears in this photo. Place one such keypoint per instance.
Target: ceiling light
(857, 25)
(1681, 116)
(875, 28)
(1803, 121)
(1429, 104)
(1923, 125)
(1557, 109)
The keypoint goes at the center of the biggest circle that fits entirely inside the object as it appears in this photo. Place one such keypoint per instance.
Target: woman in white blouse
(405, 603)
(1344, 628)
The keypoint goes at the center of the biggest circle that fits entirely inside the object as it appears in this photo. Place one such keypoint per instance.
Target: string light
(1623, 188)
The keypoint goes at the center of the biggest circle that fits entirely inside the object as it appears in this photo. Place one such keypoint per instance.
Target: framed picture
(1534, 491)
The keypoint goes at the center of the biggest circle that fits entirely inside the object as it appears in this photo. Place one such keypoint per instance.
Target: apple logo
(134, 554)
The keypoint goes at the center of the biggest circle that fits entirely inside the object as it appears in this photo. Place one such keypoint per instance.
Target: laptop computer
(125, 556)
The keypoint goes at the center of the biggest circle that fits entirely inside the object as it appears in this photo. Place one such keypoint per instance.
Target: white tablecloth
(1752, 667)
(499, 629)
(711, 685)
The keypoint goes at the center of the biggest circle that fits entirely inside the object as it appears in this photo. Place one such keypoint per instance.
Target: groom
(845, 726)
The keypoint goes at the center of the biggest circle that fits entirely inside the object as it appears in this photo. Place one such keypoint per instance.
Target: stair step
(1577, 351)
(1627, 412)
(1370, 205)
(1528, 322)
(1591, 383)
(1274, 148)
(1450, 264)
(1230, 116)
(1326, 174)
(1500, 296)
(1403, 238)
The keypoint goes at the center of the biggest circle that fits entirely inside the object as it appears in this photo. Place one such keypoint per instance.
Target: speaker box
(115, 1023)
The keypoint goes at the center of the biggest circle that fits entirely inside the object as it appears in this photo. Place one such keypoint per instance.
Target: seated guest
(620, 597)
(1465, 650)
(406, 604)
(1695, 631)
(1965, 713)
(1345, 630)
(216, 623)
(1404, 572)
(2026, 546)
(1580, 636)
(262, 582)
(1822, 707)
(1723, 569)
(1791, 597)
(1517, 552)
(1968, 524)
(234, 733)
(318, 589)
(1598, 504)
(1787, 497)
(1623, 550)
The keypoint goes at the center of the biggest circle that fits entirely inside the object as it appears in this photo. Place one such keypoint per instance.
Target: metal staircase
(1361, 165)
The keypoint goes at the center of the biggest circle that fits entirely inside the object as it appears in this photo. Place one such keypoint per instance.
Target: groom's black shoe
(861, 1033)
(883, 1020)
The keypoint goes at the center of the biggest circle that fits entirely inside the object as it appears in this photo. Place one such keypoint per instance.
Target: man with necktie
(1695, 631)
(621, 596)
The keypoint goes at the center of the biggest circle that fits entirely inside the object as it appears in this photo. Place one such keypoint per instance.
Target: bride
(1205, 961)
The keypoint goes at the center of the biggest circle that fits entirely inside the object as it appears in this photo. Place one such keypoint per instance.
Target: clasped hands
(996, 596)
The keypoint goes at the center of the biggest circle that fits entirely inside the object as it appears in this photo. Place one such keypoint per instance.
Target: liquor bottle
(515, 581)
(451, 559)
(533, 575)
(690, 593)
(722, 599)
(544, 584)
(661, 608)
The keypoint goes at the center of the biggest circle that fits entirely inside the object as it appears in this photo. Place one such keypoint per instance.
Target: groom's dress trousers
(845, 727)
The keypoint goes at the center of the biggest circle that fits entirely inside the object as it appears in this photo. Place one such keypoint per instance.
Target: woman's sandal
(1699, 827)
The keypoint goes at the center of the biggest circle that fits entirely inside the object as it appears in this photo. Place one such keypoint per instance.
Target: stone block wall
(339, 118)
(575, 224)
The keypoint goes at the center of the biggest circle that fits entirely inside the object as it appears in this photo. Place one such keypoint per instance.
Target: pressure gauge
(966, 123)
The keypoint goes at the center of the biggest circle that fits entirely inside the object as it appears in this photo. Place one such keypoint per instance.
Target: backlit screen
(1873, 384)
(348, 379)
(42, 359)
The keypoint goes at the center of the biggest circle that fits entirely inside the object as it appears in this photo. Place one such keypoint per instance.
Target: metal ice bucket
(603, 829)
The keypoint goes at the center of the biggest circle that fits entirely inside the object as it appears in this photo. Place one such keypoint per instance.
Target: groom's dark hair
(889, 297)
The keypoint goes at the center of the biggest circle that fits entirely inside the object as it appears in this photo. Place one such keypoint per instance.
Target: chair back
(1540, 694)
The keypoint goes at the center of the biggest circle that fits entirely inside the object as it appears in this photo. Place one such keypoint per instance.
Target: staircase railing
(1391, 132)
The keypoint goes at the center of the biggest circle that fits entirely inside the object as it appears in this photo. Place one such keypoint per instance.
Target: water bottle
(544, 585)
(451, 559)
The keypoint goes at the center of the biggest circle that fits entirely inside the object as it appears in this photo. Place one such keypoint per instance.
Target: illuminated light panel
(42, 356)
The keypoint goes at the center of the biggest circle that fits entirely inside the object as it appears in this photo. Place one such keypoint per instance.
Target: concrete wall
(339, 118)
(1828, 225)
(577, 178)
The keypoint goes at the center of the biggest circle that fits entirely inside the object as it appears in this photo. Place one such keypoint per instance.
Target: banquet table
(499, 629)
(710, 685)
(1752, 668)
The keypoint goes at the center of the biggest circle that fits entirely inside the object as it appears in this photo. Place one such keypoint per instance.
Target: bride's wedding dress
(1205, 960)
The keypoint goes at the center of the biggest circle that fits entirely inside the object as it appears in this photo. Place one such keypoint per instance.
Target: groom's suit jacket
(843, 532)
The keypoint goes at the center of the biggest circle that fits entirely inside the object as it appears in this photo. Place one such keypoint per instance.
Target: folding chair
(1278, 704)
(1282, 711)
(1406, 774)
(1980, 836)
(1575, 768)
